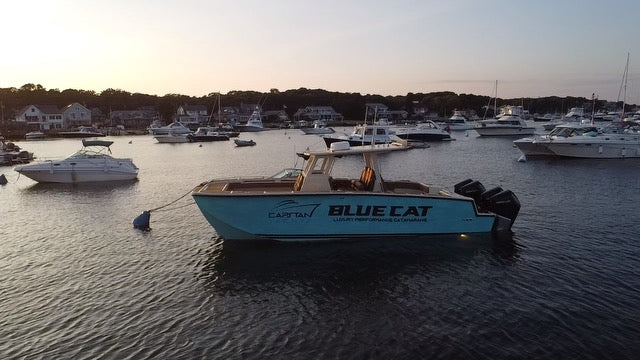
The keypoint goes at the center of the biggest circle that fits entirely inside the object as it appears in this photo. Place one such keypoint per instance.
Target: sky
(533, 48)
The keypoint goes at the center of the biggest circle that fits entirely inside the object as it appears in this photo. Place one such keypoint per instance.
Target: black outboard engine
(469, 188)
(505, 204)
(459, 185)
(483, 204)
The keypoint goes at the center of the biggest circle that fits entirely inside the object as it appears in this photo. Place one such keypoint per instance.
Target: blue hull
(302, 217)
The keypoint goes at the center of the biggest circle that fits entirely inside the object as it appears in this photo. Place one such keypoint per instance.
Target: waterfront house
(324, 114)
(74, 115)
(41, 117)
(133, 119)
(381, 111)
(193, 115)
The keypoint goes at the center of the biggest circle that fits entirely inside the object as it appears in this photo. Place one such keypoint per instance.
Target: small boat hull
(504, 131)
(603, 150)
(77, 176)
(533, 147)
(308, 217)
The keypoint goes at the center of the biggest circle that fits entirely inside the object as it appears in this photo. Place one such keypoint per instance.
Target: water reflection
(80, 188)
(236, 265)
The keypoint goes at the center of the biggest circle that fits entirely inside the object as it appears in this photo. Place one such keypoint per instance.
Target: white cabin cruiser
(616, 141)
(510, 123)
(424, 131)
(318, 128)
(364, 135)
(321, 205)
(253, 124)
(175, 127)
(89, 164)
(457, 122)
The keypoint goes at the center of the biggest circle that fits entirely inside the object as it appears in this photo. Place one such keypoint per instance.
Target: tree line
(350, 105)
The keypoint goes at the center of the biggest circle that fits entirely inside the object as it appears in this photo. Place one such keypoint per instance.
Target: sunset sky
(195, 47)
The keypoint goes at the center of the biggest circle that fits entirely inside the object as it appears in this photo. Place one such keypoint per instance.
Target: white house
(41, 117)
(74, 115)
(318, 113)
(193, 114)
(377, 111)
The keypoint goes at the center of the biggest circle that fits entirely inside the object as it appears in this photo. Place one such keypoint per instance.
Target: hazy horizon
(195, 47)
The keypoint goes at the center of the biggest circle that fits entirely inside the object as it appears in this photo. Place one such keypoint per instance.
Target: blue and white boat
(318, 205)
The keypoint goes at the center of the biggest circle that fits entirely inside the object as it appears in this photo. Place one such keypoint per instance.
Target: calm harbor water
(77, 281)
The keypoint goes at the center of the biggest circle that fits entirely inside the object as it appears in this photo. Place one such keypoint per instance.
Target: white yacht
(424, 131)
(253, 124)
(457, 122)
(364, 135)
(89, 164)
(172, 138)
(34, 135)
(81, 132)
(510, 123)
(616, 141)
(319, 128)
(175, 127)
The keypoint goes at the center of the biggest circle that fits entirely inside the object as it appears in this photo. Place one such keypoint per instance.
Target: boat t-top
(321, 205)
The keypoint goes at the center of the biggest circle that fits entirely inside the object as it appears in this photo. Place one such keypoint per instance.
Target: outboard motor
(505, 204)
(471, 189)
(459, 185)
(483, 204)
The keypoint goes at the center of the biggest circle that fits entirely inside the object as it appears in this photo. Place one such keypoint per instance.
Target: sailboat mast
(495, 102)
(219, 111)
(593, 107)
(624, 96)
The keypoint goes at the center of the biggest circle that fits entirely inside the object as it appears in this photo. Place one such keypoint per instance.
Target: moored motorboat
(81, 132)
(321, 205)
(510, 123)
(457, 122)
(242, 142)
(172, 138)
(11, 153)
(615, 141)
(364, 135)
(318, 128)
(89, 164)
(253, 124)
(207, 134)
(424, 131)
(175, 127)
(34, 135)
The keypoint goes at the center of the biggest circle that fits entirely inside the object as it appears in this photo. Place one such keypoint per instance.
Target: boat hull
(309, 217)
(417, 136)
(50, 173)
(586, 150)
(532, 147)
(171, 139)
(356, 142)
(503, 131)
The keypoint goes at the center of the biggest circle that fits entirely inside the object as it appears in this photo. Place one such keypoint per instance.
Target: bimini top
(105, 143)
